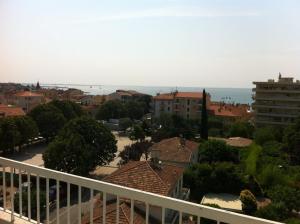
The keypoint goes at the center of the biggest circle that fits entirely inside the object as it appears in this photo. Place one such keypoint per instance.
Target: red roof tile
(111, 212)
(171, 96)
(11, 111)
(27, 93)
(143, 176)
(175, 149)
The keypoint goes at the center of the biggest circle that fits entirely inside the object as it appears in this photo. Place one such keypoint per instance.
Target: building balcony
(69, 198)
(285, 107)
(272, 98)
(275, 91)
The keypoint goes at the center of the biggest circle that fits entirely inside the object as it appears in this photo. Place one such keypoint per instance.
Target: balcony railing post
(20, 193)
(57, 201)
(68, 203)
(29, 196)
(47, 201)
(79, 204)
(104, 208)
(4, 188)
(131, 211)
(12, 193)
(38, 199)
(91, 206)
(118, 210)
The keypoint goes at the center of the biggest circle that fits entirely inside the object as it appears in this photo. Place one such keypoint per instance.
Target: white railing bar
(47, 201)
(131, 211)
(57, 201)
(147, 213)
(79, 204)
(104, 208)
(91, 206)
(12, 194)
(153, 199)
(68, 203)
(38, 199)
(4, 188)
(28, 196)
(163, 215)
(198, 219)
(180, 217)
(20, 193)
(118, 210)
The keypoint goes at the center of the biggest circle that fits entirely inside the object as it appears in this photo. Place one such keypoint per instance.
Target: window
(168, 108)
(188, 102)
(188, 116)
(188, 109)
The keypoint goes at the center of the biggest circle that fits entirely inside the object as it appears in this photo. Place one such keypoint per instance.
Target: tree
(10, 135)
(49, 119)
(27, 128)
(112, 109)
(291, 140)
(80, 146)
(135, 151)
(125, 123)
(273, 211)
(134, 109)
(68, 108)
(204, 118)
(289, 196)
(137, 133)
(249, 204)
(205, 178)
(263, 135)
(241, 129)
(217, 151)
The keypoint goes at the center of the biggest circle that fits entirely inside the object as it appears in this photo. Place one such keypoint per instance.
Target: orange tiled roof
(111, 212)
(10, 111)
(175, 149)
(229, 110)
(142, 176)
(171, 96)
(27, 93)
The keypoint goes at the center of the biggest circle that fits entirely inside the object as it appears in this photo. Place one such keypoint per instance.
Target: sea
(228, 95)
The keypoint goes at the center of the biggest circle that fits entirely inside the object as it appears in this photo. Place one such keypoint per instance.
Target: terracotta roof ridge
(163, 182)
(122, 210)
(119, 171)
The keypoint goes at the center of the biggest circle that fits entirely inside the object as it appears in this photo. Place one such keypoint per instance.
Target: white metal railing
(17, 170)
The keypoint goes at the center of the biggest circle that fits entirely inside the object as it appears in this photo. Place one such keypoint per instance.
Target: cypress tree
(204, 122)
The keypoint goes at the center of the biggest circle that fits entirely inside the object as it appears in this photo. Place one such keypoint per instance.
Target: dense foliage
(80, 146)
(135, 151)
(204, 118)
(16, 131)
(116, 109)
(51, 117)
(212, 151)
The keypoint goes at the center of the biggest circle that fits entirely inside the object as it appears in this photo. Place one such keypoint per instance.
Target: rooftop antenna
(279, 75)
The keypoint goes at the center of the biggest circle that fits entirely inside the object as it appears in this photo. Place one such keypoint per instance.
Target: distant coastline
(229, 95)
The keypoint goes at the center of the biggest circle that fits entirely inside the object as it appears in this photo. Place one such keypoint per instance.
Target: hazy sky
(214, 43)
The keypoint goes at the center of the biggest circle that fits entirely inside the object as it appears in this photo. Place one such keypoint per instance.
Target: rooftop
(171, 96)
(226, 201)
(175, 149)
(10, 111)
(28, 93)
(229, 110)
(236, 141)
(142, 175)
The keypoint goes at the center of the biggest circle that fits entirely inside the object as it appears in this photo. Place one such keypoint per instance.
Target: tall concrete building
(276, 102)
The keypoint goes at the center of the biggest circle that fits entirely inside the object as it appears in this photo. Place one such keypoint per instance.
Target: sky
(212, 43)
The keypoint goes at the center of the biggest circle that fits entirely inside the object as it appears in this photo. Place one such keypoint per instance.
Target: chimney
(155, 163)
(182, 142)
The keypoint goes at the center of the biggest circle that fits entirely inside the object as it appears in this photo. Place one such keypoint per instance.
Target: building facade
(185, 104)
(276, 102)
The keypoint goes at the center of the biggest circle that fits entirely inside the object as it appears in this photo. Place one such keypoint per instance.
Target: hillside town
(183, 145)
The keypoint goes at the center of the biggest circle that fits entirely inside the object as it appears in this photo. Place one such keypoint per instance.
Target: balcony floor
(5, 219)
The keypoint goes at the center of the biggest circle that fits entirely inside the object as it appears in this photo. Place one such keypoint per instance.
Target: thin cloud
(166, 12)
